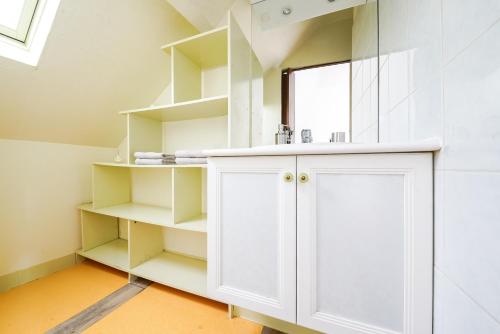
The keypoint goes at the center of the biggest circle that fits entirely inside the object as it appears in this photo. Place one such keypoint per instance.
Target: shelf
(117, 164)
(113, 254)
(203, 108)
(149, 214)
(178, 271)
(208, 49)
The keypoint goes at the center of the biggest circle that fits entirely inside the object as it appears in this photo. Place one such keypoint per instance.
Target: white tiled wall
(440, 76)
(364, 99)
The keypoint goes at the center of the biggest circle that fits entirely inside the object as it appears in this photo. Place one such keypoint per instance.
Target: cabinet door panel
(365, 243)
(251, 234)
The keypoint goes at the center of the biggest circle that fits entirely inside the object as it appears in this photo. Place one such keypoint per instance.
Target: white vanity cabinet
(251, 243)
(364, 243)
(339, 243)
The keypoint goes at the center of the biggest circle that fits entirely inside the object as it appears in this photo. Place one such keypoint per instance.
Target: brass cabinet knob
(303, 177)
(288, 177)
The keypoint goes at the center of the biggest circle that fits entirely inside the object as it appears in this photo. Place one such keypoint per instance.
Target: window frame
(30, 51)
(20, 34)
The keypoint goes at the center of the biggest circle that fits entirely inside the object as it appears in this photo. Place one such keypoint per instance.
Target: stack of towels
(180, 157)
(153, 158)
(190, 157)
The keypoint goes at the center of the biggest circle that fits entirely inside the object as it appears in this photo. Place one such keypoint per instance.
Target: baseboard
(23, 276)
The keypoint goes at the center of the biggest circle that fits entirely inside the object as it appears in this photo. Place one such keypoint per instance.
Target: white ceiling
(101, 57)
(203, 14)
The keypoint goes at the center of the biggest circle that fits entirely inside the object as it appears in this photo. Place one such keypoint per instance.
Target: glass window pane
(322, 101)
(15, 18)
(10, 13)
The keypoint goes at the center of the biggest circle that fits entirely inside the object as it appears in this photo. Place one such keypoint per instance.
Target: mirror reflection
(315, 71)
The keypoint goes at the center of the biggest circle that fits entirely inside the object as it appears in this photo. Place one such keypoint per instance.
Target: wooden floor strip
(99, 310)
(91, 315)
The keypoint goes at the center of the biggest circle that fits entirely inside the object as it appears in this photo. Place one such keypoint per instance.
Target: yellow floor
(40, 305)
(159, 309)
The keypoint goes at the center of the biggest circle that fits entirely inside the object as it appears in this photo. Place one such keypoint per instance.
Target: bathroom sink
(432, 144)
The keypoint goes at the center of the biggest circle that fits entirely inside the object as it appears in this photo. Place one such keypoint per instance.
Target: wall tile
(384, 88)
(465, 20)
(426, 116)
(438, 218)
(393, 25)
(425, 42)
(398, 123)
(456, 313)
(357, 84)
(367, 72)
(471, 235)
(472, 105)
(398, 78)
(365, 69)
(374, 102)
(459, 98)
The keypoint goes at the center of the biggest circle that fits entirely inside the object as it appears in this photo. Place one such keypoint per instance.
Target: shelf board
(149, 214)
(215, 106)
(177, 271)
(208, 49)
(117, 164)
(113, 254)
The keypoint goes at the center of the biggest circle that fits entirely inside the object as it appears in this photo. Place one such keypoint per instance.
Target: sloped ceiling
(203, 14)
(101, 57)
(287, 38)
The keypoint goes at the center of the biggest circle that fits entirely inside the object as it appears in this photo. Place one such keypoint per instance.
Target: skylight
(24, 28)
(16, 17)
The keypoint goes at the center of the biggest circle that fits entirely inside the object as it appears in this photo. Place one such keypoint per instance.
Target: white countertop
(428, 145)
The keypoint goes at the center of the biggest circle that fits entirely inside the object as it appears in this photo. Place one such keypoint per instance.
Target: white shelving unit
(113, 253)
(150, 221)
(202, 108)
(150, 214)
(177, 271)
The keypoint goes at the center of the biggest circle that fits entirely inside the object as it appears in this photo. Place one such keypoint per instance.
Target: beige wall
(327, 43)
(101, 57)
(40, 186)
(58, 118)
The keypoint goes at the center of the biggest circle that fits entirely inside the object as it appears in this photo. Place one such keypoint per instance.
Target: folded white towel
(189, 154)
(152, 161)
(188, 161)
(151, 155)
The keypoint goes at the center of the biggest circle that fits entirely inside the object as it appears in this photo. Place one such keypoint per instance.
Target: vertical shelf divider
(145, 242)
(187, 78)
(97, 230)
(187, 194)
(111, 186)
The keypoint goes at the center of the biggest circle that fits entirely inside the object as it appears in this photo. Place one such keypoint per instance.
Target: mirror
(315, 67)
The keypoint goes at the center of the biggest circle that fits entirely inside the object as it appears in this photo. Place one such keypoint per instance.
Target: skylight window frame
(28, 13)
(30, 51)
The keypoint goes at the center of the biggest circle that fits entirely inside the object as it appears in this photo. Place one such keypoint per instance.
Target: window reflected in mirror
(319, 99)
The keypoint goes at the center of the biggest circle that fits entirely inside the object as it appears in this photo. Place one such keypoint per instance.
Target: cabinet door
(251, 233)
(364, 243)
